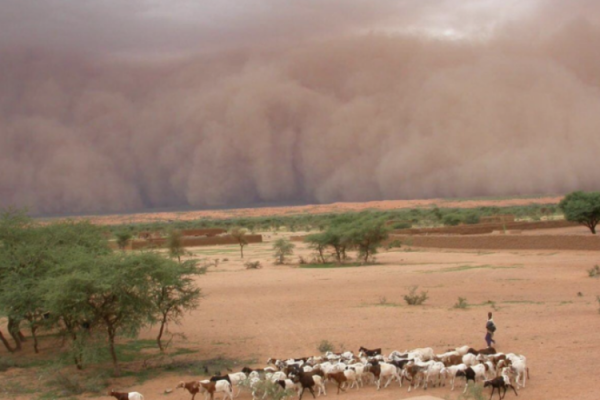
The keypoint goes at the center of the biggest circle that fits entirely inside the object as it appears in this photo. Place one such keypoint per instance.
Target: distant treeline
(395, 219)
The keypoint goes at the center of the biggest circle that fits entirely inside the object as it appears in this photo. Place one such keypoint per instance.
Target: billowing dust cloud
(353, 117)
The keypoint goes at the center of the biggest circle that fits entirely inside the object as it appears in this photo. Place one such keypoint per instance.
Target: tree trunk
(321, 254)
(113, 353)
(21, 336)
(13, 328)
(160, 332)
(35, 340)
(242, 251)
(6, 344)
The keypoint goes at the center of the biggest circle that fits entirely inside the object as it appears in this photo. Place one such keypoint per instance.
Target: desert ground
(286, 311)
(544, 306)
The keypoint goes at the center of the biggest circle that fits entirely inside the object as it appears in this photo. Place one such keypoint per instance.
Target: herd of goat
(418, 367)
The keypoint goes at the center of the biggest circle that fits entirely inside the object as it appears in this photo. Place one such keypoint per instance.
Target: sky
(112, 106)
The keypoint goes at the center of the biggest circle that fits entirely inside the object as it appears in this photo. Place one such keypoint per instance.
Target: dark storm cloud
(279, 101)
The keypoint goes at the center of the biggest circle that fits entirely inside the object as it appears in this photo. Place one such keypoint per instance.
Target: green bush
(471, 218)
(402, 225)
(394, 244)
(461, 303)
(325, 346)
(594, 272)
(414, 299)
(252, 265)
(451, 219)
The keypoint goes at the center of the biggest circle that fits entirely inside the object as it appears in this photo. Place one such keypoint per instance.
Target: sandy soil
(314, 209)
(285, 311)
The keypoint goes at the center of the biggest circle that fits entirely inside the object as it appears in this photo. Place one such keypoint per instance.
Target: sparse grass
(562, 303)
(6, 363)
(414, 299)
(474, 392)
(334, 265)
(9, 389)
(470, 267)
(382, 300)
(522, 302)
(252, 265)
(67, 383)
(325, 346)
(394, 244)
(598, 299)
(461, 303)
(594, 272)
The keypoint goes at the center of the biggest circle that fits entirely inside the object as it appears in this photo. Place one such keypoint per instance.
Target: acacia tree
(318, 242)
(15, 257)
(239, 234)
(283, 247)
(93, 294)
(123, 238)
(367, 236)
(175, 244)
(173, 290)
(582, 207)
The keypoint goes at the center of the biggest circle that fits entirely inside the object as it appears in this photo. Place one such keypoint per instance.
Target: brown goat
(499, 383)
(340, 379)
(453, 360)
(192, 387)
(305, 380)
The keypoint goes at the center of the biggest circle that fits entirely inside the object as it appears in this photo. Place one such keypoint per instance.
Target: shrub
(123, 238)
(252, 265)
(283, 247)
(472, 218)
(594, 272)
(325, 346)
(492, 305)
(461, 303)
(402, 225)
(451, 219)
(394, 244)
(6, 363)
(414, 299)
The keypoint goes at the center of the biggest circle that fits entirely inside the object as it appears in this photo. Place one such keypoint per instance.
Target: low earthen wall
(203, 232)
(479, 229)
(503, 242)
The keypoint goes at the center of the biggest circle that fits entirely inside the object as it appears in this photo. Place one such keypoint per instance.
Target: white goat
(470, 359)
(450, 372)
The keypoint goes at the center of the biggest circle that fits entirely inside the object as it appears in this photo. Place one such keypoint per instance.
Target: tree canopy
(582, 207)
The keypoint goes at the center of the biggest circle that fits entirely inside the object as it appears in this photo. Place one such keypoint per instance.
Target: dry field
(545, 308)
(285, 311)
